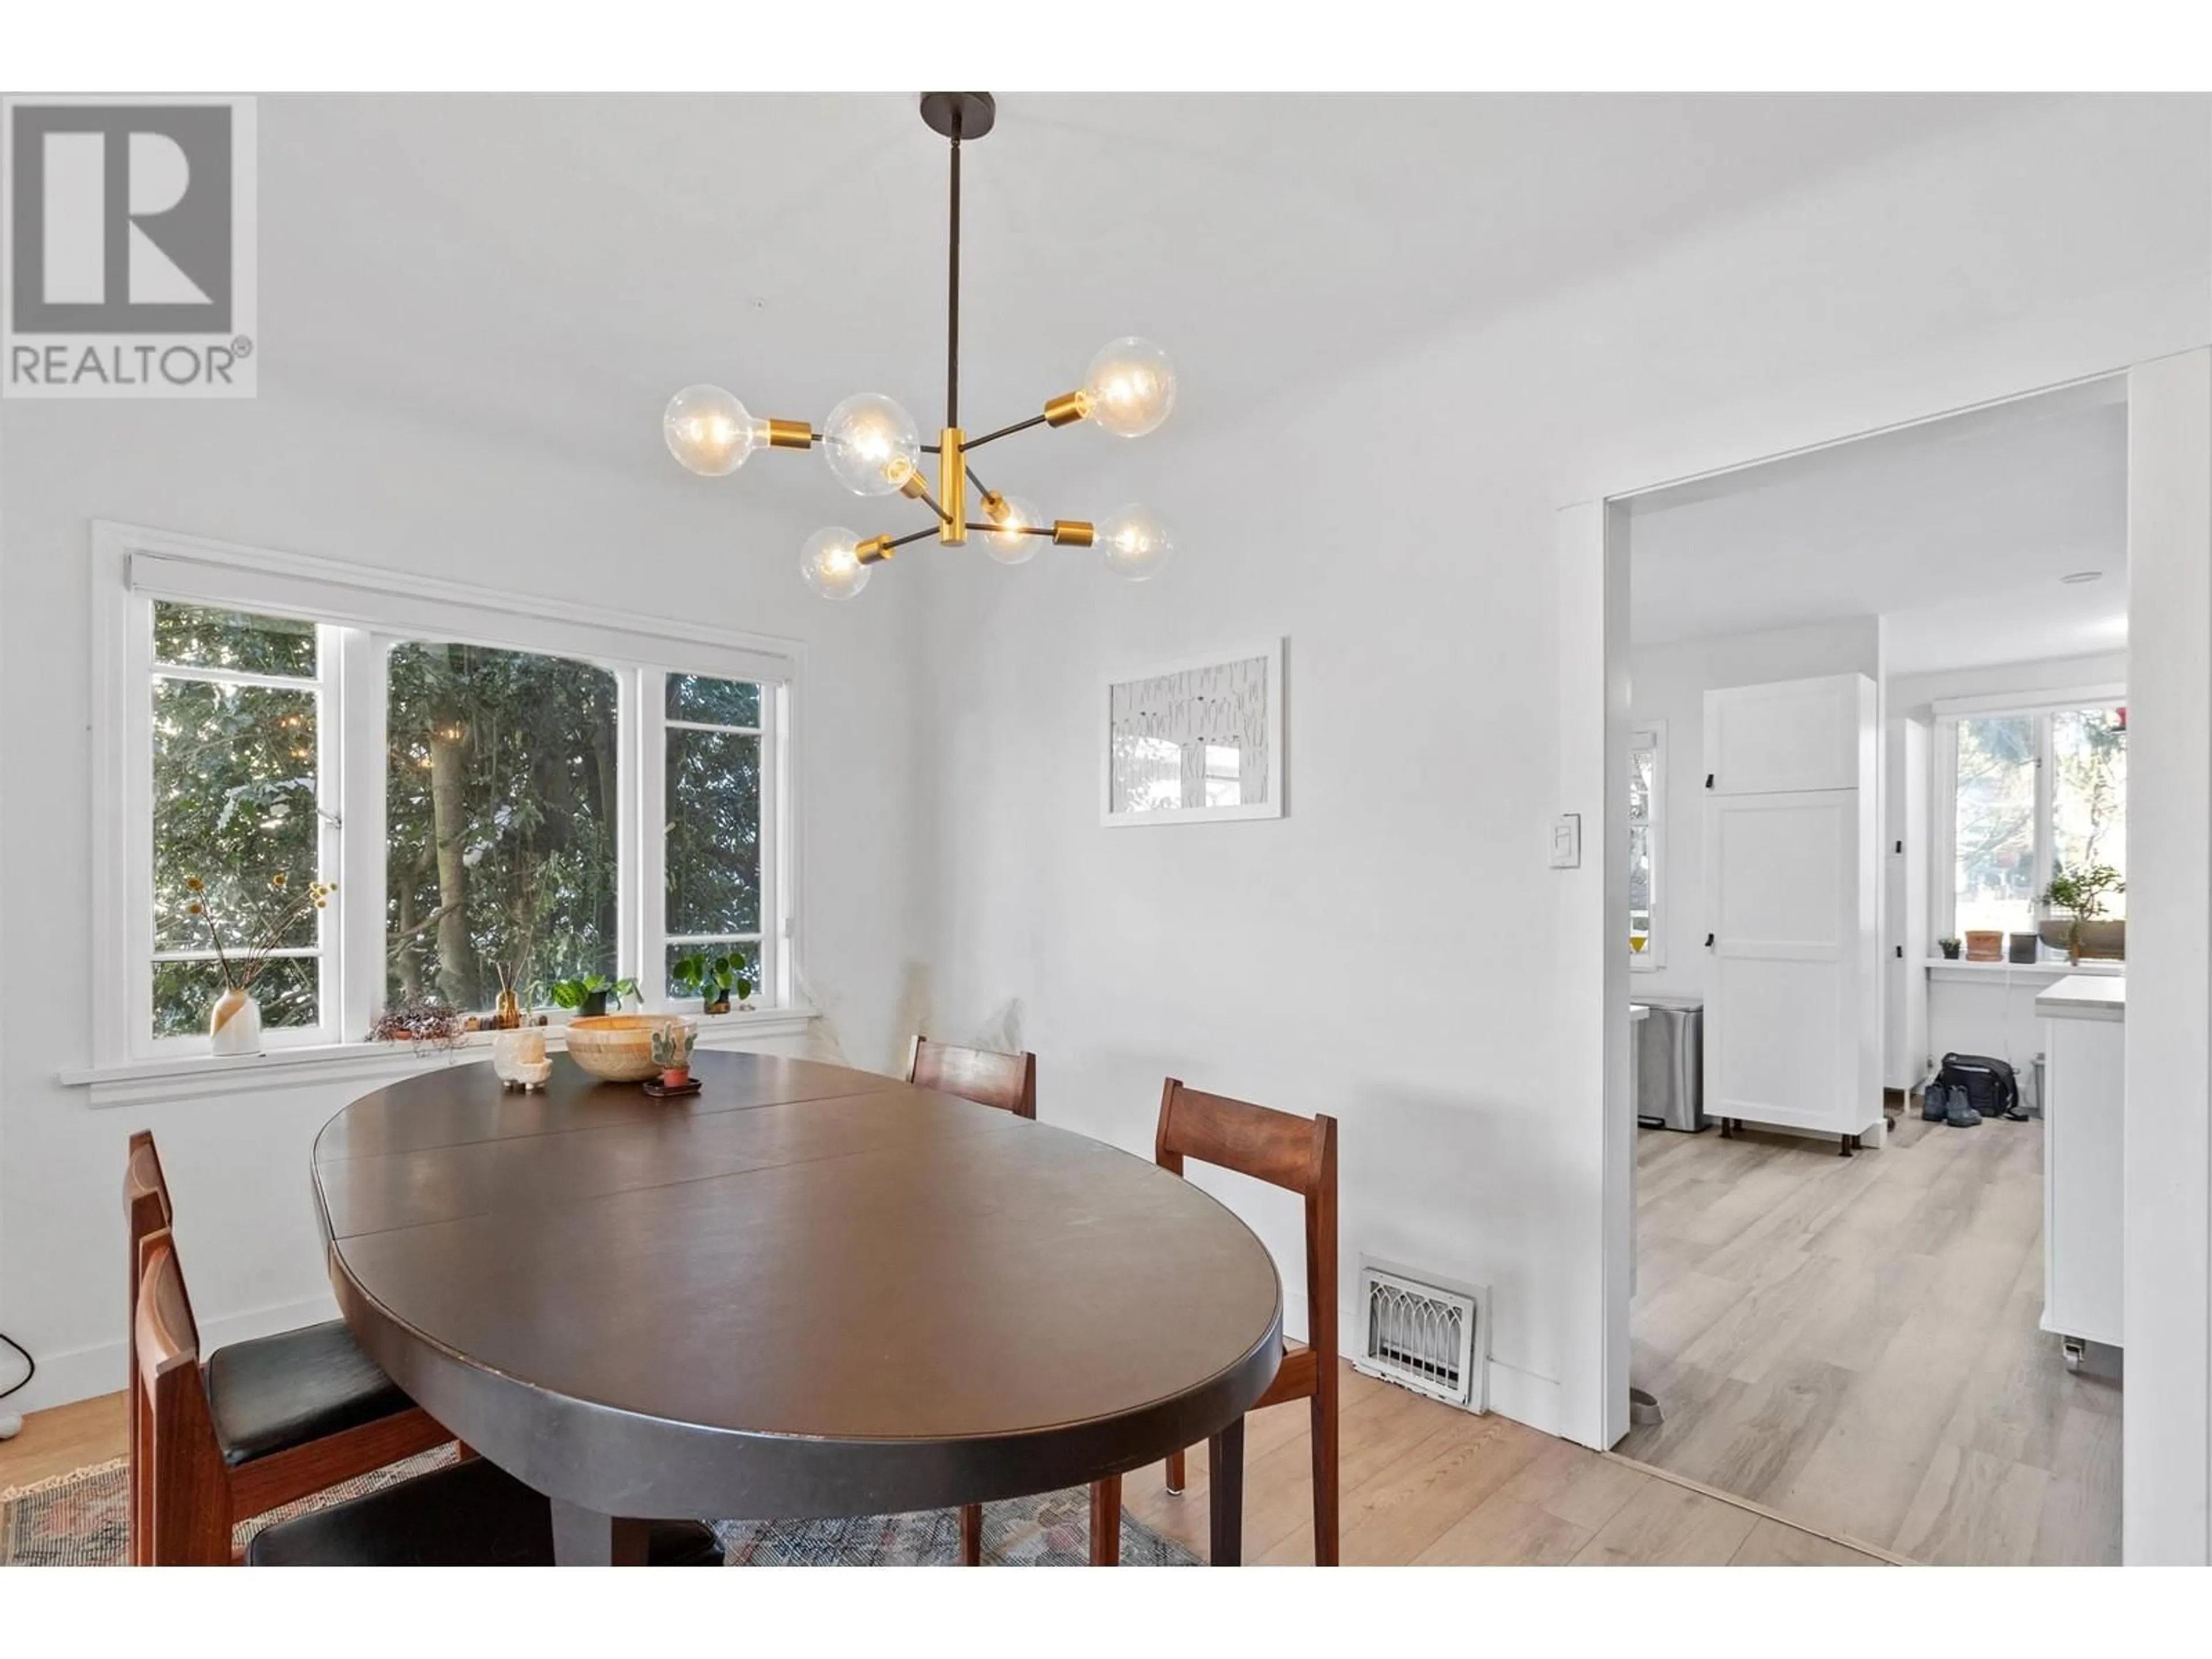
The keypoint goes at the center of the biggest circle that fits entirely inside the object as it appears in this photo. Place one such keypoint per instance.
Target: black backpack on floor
(1992, 1087)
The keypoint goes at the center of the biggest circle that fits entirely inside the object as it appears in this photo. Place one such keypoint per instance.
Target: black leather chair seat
(466, 1515)
(277, 1392)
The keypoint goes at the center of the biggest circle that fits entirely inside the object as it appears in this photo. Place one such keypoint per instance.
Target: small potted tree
(671, 1051)
(2081, 894)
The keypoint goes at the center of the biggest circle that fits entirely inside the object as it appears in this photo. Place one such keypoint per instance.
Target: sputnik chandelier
(874, 448)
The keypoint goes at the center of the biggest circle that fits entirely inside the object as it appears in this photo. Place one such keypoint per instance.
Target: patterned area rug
(77, 1520)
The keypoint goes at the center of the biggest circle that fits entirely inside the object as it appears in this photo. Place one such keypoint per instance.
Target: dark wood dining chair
(1298, 1154)
(264, 1423)
(989, 1078)
(982, 1075)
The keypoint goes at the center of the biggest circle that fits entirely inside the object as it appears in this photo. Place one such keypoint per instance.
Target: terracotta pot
(675, 1077)
(1984, 945)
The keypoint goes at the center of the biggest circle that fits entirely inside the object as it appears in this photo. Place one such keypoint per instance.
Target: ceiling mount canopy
(874, 448)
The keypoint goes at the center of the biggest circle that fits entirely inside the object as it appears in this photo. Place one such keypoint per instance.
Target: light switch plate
(1567, 841)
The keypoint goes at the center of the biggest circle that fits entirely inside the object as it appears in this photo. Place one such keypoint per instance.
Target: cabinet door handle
(1709, 779)
(1709, 941)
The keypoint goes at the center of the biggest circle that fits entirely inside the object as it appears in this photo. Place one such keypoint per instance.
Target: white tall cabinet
(1793, 987)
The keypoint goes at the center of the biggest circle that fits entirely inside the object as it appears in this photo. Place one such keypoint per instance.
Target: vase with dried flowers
(234, 1021)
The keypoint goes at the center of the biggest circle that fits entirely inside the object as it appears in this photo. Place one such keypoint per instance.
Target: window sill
(2029, 972)
(136, 1083)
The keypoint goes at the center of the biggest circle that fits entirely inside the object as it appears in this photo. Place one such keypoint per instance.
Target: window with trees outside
(1647, 789)
(2035, 794)
(352, 816)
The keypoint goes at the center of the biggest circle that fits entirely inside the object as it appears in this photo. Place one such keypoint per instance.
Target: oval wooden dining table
(804, 1291)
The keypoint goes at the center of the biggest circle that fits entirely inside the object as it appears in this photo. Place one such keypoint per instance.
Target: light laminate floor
(1422, 1483)
(1853, 1343)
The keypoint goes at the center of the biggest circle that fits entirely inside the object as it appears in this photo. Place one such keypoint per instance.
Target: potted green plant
(2081, 894)
(713, 978)
(589, 994)
(1949, 947)
(671, 1051)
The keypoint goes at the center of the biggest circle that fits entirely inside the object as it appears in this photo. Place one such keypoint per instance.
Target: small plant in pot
(589, 995)
(714, 978)
(2081, 894)
(671, 1051)
(1949, 947)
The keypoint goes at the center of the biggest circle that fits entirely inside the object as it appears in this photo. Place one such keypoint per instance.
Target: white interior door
(1782, 984)
(1793, 735)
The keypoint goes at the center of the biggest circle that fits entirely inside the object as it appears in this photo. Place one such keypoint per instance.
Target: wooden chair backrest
(145, 1197)
(146, 1210)
(1280, 1148)
(179, 1499)
(983, 1075)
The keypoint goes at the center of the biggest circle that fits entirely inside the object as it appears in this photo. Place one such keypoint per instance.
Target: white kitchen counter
(2084, 1114)
(2085, 996)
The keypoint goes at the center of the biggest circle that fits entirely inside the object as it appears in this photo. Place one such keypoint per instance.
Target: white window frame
(1943, 829)
(655, 936)
(1652, 735)
(360, 612)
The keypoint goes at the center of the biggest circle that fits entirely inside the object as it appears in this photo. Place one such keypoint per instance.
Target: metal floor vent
(1429, 1335)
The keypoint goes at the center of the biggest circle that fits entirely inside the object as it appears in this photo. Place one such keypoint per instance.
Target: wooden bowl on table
(618, 1047)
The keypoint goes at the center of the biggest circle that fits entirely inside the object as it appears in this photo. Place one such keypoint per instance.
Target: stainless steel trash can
(1670, 1064)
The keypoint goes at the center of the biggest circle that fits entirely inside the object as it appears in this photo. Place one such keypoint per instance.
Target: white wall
(380, 487)
(1385, 951)
(1668, 683)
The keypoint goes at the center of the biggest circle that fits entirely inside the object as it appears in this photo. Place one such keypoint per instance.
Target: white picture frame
(1265, 659)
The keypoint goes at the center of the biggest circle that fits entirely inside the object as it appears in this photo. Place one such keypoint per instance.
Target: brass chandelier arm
(917, 490)
(1008, 431)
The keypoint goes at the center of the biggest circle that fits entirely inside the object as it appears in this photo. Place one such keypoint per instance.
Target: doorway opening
(1877, 744)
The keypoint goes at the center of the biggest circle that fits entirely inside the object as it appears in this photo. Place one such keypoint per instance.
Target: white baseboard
(1525, 1397)
(86, 1373)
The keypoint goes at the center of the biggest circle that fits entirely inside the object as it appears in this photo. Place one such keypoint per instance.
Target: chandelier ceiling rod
(952, 290)
(874, 448)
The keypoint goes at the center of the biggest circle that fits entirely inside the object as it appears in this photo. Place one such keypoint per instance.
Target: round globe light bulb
(1130, 386)
(872, 444)
(709, 430)
(1011, 542)
(1138, 541)
(831, 564)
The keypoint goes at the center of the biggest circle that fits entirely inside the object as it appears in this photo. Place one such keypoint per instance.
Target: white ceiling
(1957, 537)
(555, 266)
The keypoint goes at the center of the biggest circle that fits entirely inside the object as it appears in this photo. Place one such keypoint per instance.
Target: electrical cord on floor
(30, 1367)
(11, 1424)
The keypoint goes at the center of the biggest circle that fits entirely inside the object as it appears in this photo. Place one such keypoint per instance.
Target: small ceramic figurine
(518, 1058)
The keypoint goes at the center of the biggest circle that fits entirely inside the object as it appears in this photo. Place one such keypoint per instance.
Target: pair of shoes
(1947, 1102)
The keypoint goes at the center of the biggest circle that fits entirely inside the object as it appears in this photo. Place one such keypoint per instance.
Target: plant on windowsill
(590, 994)
(234, 1021)
(1949, 947)
(2081, 894)
(418, 1021)
(713, 979)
